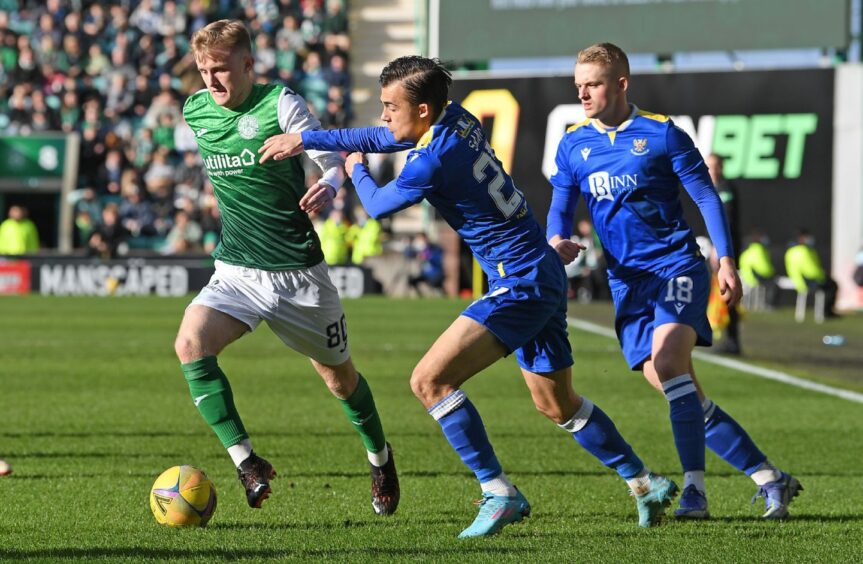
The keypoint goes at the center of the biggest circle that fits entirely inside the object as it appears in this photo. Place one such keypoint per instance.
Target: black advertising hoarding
(75, 276)
(774, 129)
(162, 276)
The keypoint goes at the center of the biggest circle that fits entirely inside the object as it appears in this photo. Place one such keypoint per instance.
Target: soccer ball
(183, 496)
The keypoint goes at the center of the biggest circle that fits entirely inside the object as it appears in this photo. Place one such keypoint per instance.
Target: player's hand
(566, 248)
(282, 146)
(352, 160)
(729, 282)
(316, 198)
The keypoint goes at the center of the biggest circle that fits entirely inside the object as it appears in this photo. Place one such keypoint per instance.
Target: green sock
(361, 411)
(212, 395)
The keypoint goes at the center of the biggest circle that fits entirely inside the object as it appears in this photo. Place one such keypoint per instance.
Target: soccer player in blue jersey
(453, 167)
(628, 164)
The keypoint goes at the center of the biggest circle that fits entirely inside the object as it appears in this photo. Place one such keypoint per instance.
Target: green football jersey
(262, 223)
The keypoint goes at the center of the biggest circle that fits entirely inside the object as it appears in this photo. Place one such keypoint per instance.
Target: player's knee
(668, 366)
(187, 348)
(552, 410)
(423, 385)
(419, 385)
(342, 383)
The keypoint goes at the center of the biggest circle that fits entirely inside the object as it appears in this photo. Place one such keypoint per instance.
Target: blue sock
(462, 426)
(687, 421)
(729, 440)
(595, 431)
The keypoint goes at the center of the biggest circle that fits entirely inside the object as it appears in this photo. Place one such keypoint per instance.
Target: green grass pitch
(94, 407)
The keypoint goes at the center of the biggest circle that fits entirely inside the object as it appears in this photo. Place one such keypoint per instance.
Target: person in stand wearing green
(804, 268)
(756, 266)
(269, 264)
(364, 236)
(18, 235)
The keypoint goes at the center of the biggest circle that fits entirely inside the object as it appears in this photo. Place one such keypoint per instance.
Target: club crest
(639, 147)
(248, 127)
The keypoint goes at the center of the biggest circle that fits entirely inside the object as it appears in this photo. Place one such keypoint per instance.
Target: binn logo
(603, 186)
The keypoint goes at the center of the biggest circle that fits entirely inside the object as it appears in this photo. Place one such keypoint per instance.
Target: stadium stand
(117, 73)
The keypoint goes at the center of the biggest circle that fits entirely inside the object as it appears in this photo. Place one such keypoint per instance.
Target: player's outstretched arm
(362, 139)
(381, 201)
(282, 146)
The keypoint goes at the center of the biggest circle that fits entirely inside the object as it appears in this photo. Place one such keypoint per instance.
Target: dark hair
(426, 81)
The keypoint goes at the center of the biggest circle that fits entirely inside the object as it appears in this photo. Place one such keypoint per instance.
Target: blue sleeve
(689, 167)
(564, 196)
(411, 186)
(362, 139)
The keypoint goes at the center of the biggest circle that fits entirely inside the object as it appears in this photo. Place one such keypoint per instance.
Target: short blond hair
(221, 35)
(607, 55)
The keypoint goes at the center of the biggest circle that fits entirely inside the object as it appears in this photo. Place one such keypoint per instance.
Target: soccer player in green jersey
(269, 264)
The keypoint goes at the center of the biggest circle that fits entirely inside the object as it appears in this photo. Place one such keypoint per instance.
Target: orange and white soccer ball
(183, 496)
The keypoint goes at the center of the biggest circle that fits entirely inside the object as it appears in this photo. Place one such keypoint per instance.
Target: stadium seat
(755, 297)
(819, 301)
(818, 305)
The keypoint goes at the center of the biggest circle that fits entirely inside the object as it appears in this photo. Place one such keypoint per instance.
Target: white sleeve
(294, 116)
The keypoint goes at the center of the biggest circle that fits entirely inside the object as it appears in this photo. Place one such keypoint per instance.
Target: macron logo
(585, 153)
(679, 308)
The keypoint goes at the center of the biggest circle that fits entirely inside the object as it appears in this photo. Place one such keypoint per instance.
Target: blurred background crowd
(118, 72)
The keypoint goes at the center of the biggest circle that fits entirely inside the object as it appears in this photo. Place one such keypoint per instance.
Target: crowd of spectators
(118, 71)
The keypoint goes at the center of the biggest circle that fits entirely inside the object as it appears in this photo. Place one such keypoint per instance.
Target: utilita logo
(218, 165)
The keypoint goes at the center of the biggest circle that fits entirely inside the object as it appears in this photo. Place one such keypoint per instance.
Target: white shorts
(301, 306)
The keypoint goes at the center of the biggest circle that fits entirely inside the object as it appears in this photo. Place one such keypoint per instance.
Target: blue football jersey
(455, 169)
(630, 177)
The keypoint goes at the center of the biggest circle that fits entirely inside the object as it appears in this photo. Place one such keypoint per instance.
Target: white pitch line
(736, 365)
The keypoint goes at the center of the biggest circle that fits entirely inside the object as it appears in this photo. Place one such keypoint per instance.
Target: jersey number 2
(507, 206)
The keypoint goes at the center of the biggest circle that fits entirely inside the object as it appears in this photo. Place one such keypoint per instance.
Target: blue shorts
(527, 313)
(646, 303)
